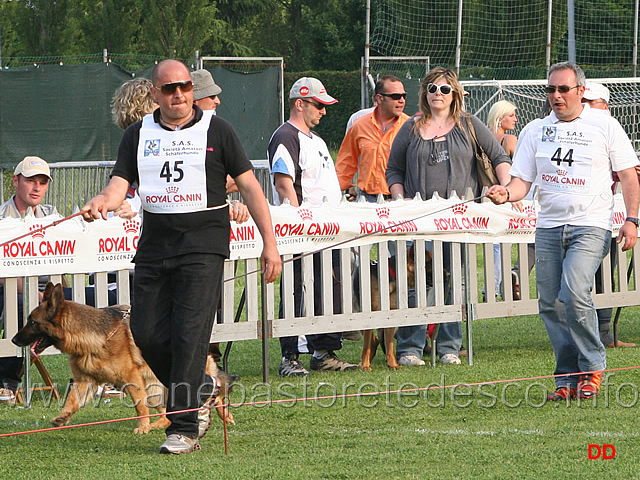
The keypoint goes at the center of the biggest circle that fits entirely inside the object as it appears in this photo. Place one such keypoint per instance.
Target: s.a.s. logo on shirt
(548, 134)
(152, 147)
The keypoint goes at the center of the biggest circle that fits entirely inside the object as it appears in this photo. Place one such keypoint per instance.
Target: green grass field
(502, 430)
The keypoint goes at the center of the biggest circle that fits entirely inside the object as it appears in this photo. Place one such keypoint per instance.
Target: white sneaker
(108, 391)
(177, 444)
(450, 358)
(7, 396)
(411, 361)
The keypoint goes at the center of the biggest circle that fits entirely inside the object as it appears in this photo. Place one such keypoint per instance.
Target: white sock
(319, 354)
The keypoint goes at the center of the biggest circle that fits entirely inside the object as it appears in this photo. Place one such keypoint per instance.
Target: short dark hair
(379, 88)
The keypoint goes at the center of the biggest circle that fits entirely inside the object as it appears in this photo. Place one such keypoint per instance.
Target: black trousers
(324, 341)
(175, 301)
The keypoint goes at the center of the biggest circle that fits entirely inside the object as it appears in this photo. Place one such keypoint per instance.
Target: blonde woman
(434, 152)
(132, 101)
(502, 118)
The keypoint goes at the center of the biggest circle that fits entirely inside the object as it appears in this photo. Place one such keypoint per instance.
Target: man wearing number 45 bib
(572, 155)
(179, 156)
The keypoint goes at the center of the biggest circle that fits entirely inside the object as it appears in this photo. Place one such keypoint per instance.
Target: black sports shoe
(291, 367)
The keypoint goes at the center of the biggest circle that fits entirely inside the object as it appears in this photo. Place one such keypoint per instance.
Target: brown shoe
(620, 344)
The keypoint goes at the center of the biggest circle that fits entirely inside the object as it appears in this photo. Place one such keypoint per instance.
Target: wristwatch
(633, 220)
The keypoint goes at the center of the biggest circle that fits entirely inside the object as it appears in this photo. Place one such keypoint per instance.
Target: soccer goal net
(528, 96)
(514, 39)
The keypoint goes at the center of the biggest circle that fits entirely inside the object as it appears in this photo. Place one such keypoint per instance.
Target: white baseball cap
(32, 166)
(594, 91)
(309, 87)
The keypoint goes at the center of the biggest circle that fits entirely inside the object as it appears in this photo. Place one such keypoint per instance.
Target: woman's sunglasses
(444, 89)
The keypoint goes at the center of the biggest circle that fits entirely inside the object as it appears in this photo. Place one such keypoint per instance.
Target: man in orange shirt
(365, 148)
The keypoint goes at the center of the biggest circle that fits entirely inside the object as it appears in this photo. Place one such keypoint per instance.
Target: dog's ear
(47, 291)
(56, 298)
(428, 261)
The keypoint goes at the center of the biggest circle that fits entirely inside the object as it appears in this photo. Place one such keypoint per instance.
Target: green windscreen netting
(62, 112)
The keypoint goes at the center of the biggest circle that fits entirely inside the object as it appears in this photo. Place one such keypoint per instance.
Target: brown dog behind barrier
(101, 350)
(370, 341)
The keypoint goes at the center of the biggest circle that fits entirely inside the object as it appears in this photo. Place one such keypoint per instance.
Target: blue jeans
(567, 258)
(412, 339)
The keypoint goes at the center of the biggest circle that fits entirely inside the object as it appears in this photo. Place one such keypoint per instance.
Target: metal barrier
(74, 183)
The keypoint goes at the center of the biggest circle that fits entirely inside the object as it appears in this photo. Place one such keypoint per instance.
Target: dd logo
(606, 452)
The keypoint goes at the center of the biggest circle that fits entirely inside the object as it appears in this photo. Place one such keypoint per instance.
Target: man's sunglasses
(319, 106)
(170, 88)
(394, 96)
(560, 88)
(444, 89)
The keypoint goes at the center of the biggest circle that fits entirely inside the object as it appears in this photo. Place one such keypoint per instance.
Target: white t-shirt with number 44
(572, 162)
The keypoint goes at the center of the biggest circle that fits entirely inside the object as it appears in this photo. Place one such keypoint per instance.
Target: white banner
(75, 246)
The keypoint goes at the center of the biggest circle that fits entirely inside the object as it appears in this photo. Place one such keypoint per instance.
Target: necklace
(388, 126)
(446, 123)
(176, 126)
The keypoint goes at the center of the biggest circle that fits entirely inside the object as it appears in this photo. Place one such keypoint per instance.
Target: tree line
(326, 35)
(316, 35)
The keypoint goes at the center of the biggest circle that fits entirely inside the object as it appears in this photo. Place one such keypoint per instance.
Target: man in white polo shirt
(572, 154)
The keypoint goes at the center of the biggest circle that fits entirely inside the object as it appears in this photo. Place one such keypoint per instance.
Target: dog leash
(125, 315)
(41, 229)
(229, 203)
(360, 236)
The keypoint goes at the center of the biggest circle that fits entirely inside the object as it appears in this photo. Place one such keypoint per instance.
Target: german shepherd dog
(101, 350)
(370, 341)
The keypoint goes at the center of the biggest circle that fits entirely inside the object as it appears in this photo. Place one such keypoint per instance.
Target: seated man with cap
(31, 181)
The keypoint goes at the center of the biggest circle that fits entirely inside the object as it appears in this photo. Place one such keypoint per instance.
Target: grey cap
(203, 85)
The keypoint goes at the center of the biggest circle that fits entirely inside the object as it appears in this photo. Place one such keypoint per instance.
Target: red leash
(57, 222)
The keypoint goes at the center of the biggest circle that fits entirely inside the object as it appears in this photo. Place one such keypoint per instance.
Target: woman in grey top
(434, 152)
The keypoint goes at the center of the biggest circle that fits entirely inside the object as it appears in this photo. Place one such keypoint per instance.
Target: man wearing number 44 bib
(573, 153)
(179, 156)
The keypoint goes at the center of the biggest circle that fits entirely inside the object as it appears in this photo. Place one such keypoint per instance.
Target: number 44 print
(558, 158)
